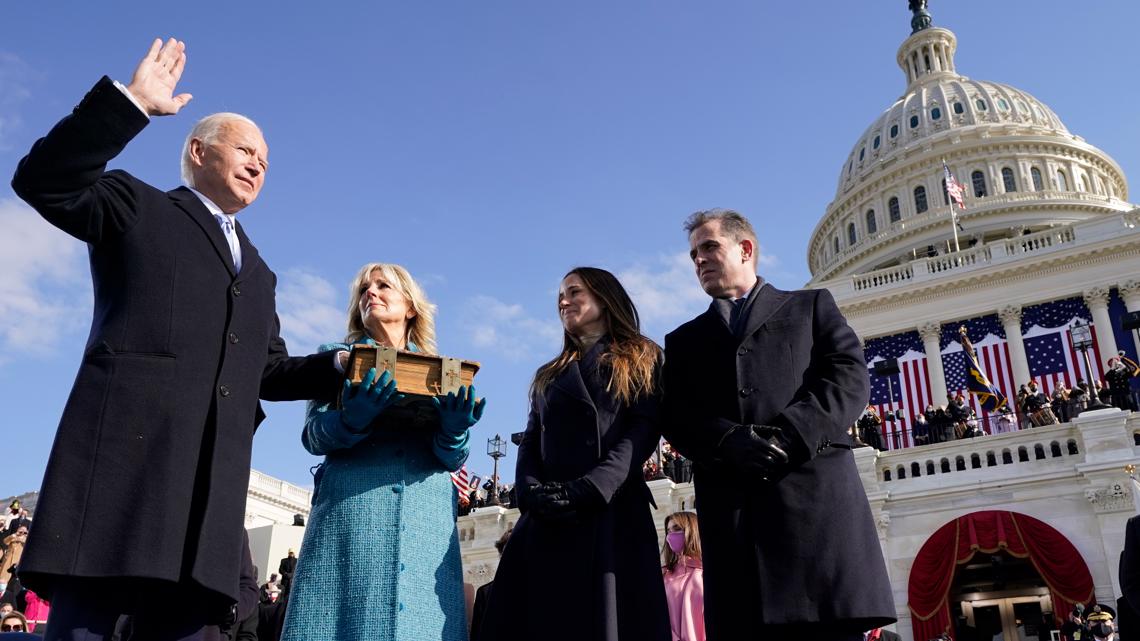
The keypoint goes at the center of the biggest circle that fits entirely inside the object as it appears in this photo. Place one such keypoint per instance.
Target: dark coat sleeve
(835, 387)
(694, 433)
(63, 177)
(1130, 564)
(528, 462)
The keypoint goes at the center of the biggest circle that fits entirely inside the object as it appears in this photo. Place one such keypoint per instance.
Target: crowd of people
(956, 419)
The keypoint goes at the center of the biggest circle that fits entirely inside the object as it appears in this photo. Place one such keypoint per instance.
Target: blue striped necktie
(231, 238)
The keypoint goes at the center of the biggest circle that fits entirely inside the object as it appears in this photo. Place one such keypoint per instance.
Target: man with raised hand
(143, 500)
(760, 391)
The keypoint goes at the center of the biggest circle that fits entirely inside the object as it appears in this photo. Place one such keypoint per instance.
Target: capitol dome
(1023, 171)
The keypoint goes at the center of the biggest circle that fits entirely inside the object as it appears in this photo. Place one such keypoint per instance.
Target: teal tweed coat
(380, 558)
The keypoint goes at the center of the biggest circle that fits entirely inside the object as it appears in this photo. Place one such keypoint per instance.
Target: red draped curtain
(954, 544)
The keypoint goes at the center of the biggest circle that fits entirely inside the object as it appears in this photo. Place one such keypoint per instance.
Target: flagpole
(953, 216)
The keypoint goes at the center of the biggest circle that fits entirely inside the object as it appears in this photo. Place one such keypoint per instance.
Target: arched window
(886, 474)
(913, 122)
(936, 114)
(1002, 104)
(919, 199)
(875, 145)
(893, 209)
(958, 108)
(1084, 184)
(930, 468)
(1062, 182)
(836, 244)
(862, 151)
(1055, 449)
(979, 181)
(1035, 173)
(980, 104)
(960, 464)
(915, 470)
(894, 130)
(872, 225)
(945, 466)
(1007, 180)
(851, 235)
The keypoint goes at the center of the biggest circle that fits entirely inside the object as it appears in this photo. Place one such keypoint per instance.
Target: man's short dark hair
(732, 223)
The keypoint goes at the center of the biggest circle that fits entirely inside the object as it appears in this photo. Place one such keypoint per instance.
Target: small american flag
(954, 188)
(463, 482)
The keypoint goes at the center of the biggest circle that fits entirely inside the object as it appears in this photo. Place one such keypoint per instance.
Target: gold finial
(1131, 469)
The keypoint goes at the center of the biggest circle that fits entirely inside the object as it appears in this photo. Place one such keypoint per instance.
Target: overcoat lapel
(570, 383)
(189, 203)
(768, 300)
(250, 259)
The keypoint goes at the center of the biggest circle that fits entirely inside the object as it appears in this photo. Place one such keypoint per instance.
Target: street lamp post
(1081, 334)
(496, 449)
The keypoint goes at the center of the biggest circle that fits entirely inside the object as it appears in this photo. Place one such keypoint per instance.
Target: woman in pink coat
(684, 578)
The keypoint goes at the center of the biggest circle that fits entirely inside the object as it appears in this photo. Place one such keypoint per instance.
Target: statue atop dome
(921, 19)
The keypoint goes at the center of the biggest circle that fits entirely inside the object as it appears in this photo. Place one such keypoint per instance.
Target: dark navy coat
(598, 577)
(147, 476)
(802, 549)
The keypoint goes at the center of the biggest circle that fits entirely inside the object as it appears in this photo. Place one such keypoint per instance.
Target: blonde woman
(380, 558)
(684, 577)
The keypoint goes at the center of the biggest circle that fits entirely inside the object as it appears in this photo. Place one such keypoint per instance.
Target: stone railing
(283, 491)
(1043, 242)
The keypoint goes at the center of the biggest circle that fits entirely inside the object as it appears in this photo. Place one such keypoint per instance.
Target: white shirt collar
(214, 209)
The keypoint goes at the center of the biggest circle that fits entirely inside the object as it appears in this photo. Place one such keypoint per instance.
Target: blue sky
(489, 147)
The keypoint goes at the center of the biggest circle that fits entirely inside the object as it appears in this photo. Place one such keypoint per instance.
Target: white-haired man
(143, 499)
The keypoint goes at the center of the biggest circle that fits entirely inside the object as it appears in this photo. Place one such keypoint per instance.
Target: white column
(931, 332)
(1010, 317)
(1130, 292)
(1097, 301)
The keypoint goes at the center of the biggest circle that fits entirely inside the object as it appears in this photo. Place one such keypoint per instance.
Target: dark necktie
(735, 314)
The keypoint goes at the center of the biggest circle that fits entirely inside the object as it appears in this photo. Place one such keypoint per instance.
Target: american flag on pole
(463, 483)
(910, 387)
(954, 189)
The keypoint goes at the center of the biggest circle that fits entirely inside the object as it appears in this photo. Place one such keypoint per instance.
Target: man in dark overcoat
(143, 499)
(759, 392)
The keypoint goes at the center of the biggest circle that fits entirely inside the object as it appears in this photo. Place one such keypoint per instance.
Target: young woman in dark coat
(582, 561)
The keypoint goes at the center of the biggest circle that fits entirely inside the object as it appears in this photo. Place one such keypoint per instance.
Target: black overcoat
(803, 548)
(598, 578)
(148, 473)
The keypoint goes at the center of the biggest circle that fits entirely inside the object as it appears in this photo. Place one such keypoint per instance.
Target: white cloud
(45, 290)
(509, 330)
(310, 310)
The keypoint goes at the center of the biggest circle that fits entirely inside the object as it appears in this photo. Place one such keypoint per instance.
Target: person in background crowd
(684, 577)
(920, 430)
(36, 610)
(13, 551)
(14, 621)
(22, 520)
(5, 608)
(1121, 371)
(582, 560)
(143, 497)
(380, 558)
(286, 568)
(11, 513)
(870, 428)
(1074, 628)
(270, 590)
(1007, 421)
(1102, 392)
(760, 391)
(1059, 401)
(483, 594)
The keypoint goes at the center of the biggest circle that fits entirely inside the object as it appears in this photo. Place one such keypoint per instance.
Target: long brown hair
(631, 358)
(688, 523)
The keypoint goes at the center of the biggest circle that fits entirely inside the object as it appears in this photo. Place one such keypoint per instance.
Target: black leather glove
(756, 451)
(558, 501)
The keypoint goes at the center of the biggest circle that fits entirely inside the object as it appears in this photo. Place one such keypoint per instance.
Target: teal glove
(458, 411)
(360, 405)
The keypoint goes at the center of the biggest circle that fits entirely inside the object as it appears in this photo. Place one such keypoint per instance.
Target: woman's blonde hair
(631, 357)
(688, 523)
(420, 329)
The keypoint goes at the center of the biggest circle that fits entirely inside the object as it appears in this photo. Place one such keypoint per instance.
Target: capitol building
(1004, 532)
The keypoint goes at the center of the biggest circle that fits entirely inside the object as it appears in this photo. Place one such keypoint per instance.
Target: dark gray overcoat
(148, 473)
(599, 577)
(802, 549)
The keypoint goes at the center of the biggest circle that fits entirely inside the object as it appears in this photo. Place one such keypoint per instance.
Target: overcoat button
(223, 390)
(743, 350)
(235, 290)
(745, 391)
(233, 337)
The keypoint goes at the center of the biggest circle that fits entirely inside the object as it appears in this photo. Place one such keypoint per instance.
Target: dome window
(835, 244)
(913, 122)
(893, 210)
(1062, 183)
(936, 114)
(875, 145)
(1007, 180)
(894, 131)
(1035, 174)
(1021, 106)
(979, 181)
(862, 151)
(981, 104)
(852, 236)
(958, 108)
(1082, 184)
(1002, 104)
(872, 224)
(919, 199)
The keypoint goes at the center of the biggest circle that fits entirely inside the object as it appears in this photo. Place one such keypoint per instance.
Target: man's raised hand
(156, 77)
